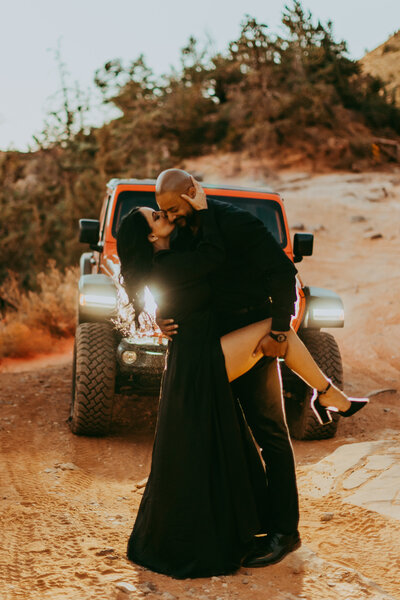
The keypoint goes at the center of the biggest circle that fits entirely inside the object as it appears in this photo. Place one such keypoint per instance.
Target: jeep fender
(324, 308)
(97, 298)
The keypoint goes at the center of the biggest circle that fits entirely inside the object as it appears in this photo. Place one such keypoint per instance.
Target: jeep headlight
(324, 312)
(327, 314)
(100, 300)
(129, 357)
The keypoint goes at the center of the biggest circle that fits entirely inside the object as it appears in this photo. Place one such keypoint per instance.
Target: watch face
(281, 337)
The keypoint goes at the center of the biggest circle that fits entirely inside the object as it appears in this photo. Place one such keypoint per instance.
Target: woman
(206, 494)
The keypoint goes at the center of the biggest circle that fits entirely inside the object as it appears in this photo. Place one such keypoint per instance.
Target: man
(257, 281)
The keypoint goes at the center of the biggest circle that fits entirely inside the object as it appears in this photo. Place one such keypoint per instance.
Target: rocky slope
(384, 62)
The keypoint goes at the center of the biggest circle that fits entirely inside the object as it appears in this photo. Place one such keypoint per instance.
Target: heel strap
(328, 387)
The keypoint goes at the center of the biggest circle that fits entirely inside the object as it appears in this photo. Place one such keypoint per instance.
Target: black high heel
(323, 415)
(356, 405)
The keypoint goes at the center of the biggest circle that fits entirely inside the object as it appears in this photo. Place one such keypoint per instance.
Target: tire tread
(93, 380)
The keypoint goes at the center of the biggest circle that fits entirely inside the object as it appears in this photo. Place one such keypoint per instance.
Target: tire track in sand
(355, 537)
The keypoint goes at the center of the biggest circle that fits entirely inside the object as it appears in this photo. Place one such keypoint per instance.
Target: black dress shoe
(276, 547)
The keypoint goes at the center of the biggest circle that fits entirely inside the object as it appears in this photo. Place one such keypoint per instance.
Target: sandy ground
(68, 503)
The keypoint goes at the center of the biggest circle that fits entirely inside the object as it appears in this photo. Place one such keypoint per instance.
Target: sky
(91, 32)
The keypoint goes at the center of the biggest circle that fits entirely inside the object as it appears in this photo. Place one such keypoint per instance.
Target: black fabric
(236, 284)
(255, 266)
(206, 496)
(260, 394)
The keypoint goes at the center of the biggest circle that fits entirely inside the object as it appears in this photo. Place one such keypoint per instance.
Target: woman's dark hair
(135, 253)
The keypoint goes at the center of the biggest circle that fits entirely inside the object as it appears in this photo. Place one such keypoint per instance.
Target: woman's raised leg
(238, 347)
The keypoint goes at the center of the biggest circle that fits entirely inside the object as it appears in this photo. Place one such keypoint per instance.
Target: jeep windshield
(268, 211)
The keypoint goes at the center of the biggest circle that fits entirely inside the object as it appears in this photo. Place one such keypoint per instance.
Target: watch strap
(278, 337)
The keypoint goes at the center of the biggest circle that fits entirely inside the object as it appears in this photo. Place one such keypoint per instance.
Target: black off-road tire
(93, 379)
(302, 422)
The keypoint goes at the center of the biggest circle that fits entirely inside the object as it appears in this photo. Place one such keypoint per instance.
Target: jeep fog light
(97, 300)
(129, 357)
(328, 314)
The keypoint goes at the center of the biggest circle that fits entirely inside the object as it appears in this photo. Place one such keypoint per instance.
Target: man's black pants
(260, 394)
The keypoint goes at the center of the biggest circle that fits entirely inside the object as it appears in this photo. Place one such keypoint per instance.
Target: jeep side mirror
(302, 246)
(89, 232)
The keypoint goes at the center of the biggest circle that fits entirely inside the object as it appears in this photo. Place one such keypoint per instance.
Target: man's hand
(167, 326)
(270, 347)
(199, 200)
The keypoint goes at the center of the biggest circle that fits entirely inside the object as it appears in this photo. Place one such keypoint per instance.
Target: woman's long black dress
(205, 498)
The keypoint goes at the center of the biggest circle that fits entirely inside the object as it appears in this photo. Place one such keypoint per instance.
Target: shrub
(32, 321)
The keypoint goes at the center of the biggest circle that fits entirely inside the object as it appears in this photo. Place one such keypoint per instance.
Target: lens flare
(125, 320)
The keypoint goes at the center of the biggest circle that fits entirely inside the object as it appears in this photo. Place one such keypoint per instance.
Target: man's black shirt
(255, 269)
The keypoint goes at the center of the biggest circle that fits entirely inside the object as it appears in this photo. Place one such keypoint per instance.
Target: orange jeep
(110, 359)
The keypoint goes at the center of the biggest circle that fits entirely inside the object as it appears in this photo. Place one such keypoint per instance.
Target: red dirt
(68, 503)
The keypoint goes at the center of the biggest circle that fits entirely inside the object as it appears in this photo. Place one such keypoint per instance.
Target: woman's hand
(167, 326)
(199, 201)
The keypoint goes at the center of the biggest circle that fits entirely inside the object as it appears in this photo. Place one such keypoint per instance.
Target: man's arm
(266, 257)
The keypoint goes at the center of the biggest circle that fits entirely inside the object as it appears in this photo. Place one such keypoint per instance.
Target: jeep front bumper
(144, 356)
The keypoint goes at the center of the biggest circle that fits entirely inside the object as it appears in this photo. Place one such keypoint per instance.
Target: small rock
(105, 551)
(126, 587)
(168, 596)
(357, 219)
(245, 581)
(141, 484)
(66, 466)
(373, 236)
(147, 587)
(254, 586)
(378, 195)
(248, 573)
(299, 226)
(328, 516)
(386, 410)
(296, 563)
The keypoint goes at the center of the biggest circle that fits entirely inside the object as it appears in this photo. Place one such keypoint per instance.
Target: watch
(278, 337)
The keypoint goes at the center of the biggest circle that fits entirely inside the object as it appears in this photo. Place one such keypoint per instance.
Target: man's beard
(191, 220)
(180, 222)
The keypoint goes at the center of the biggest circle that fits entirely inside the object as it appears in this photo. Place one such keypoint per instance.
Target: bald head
(170, 186)
(173, 180)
